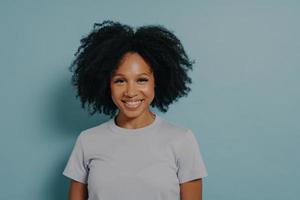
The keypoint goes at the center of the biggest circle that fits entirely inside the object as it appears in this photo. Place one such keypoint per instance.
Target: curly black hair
(101, 51)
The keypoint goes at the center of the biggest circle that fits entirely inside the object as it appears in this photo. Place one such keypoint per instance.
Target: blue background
(243, 108)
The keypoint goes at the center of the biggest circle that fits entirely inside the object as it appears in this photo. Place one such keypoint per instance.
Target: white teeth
(133, 104)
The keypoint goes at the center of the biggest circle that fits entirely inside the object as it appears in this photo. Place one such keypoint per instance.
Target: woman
(136, 154)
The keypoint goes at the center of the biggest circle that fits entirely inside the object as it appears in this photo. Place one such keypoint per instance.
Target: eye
(142, 80)
(119, 81)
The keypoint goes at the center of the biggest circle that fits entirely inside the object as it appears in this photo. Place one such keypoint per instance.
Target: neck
(135, 122)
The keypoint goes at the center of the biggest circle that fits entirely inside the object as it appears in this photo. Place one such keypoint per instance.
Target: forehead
(133, 64)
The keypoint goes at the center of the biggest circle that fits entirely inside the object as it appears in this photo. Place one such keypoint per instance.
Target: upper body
(146, 163)
(136, 154)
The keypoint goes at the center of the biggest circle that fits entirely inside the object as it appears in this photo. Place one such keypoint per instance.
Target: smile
(133, 104)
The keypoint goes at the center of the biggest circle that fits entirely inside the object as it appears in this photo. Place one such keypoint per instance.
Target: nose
(131, 90)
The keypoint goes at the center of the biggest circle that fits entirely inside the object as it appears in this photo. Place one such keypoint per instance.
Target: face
(132, 86)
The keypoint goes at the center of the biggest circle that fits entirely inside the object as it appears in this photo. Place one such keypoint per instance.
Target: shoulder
(94, 132)
(175, 130)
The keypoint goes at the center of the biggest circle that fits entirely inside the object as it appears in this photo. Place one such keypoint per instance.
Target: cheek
(115, 94)
(149, 92)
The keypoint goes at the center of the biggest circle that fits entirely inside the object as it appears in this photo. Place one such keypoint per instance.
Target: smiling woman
(136, 154)
(132, 91)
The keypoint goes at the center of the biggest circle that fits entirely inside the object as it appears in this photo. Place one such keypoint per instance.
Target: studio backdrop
(243, 106)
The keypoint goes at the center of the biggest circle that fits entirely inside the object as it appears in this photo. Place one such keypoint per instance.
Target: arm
(78, 191)
(191, 190)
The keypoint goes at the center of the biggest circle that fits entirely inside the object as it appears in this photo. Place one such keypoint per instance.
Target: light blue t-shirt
(146, 163)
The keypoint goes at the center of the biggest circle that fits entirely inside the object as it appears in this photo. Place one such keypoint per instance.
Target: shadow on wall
(69, 119)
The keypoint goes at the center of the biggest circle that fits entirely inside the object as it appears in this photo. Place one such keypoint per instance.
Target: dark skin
(134, 80)
(191, 190)
(77, 191)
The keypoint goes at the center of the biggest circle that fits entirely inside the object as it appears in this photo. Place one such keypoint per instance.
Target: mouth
(133, 104)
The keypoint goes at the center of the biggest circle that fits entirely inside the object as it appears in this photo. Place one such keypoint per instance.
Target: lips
(133, 104)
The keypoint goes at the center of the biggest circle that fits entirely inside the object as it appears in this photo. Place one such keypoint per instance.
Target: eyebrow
(118, 74)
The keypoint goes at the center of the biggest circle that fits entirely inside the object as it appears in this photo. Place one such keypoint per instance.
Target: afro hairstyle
(101, 52)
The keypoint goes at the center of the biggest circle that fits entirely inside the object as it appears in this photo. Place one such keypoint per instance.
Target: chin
(131, 114)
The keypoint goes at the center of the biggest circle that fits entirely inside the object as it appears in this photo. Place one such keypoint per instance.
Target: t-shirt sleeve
(76, 167)
(189, 160)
